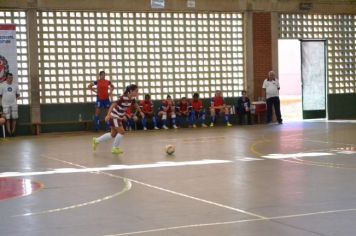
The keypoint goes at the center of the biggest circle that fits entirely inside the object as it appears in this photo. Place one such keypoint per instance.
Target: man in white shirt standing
(9, 93)
(271, 90)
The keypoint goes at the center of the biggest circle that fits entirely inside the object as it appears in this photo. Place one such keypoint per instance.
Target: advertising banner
(8, 56)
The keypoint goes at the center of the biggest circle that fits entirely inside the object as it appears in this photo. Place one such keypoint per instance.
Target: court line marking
(296, 160)
(126, 188)
(171, 191)
(198, 199)
(41, 186)
(259, 218)
(115, 167)
(233, 222)
(253, 150)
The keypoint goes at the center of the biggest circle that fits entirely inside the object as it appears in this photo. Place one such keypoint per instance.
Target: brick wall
(262, 50)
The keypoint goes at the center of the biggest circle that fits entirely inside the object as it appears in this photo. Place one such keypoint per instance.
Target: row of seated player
(191, 113)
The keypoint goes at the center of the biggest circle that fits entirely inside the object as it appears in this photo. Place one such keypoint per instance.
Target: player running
(115, 117)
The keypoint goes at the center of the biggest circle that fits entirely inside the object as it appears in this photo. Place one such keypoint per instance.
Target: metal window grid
(163, 53)
(340, 33)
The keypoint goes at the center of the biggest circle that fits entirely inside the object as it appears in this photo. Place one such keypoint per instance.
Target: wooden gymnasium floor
(298, 178)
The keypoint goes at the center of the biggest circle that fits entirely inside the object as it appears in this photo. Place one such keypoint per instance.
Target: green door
(313, 56)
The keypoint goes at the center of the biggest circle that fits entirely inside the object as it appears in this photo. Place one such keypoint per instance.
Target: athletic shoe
(174, 126)
(116, 150)
(94, 144)
(156, 127)
(194, 126)
(144, 128)
(204, 125)
(164, 127)
(228, 124)
(212, 125)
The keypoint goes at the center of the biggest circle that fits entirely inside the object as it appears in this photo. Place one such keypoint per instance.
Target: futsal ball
(170, 149)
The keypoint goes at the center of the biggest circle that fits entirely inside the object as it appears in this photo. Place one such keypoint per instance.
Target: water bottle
(80, 117)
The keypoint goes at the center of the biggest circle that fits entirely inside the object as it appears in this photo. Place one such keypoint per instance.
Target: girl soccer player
(198, 112)
(218, 106)
(115, 116)
(183, 111)
(167, 109)
(147, 108)
(103, 90)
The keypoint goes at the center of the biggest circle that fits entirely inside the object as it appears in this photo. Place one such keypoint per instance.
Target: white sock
(104, 138)
(117, 140)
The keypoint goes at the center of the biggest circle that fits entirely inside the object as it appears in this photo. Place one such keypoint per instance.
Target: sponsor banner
(8, 55)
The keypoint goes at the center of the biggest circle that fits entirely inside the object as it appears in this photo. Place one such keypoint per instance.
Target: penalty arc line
(126, 188)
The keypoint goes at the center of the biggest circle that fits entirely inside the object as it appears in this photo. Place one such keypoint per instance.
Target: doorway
(289, 67)
(313, 69)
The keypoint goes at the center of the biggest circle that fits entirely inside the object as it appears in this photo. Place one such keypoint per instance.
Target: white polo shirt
(9, 92)
(272, 88)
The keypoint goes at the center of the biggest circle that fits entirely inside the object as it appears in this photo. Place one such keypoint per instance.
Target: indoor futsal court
(294, 179)
(177, 117)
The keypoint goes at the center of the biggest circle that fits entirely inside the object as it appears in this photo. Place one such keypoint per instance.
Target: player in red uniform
(167, 109)
(198, 112)
(115, 117)
(146, 106)
(103, 89)
(218, 106)
(130, 118)
(183, 111)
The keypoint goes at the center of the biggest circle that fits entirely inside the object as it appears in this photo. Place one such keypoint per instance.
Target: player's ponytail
(130, 88)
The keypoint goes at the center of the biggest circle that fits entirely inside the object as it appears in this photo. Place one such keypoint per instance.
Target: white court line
(231, 222)
(171, 191)
(126, 188)
(330, 121)
(198, 199)
(114, 167)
